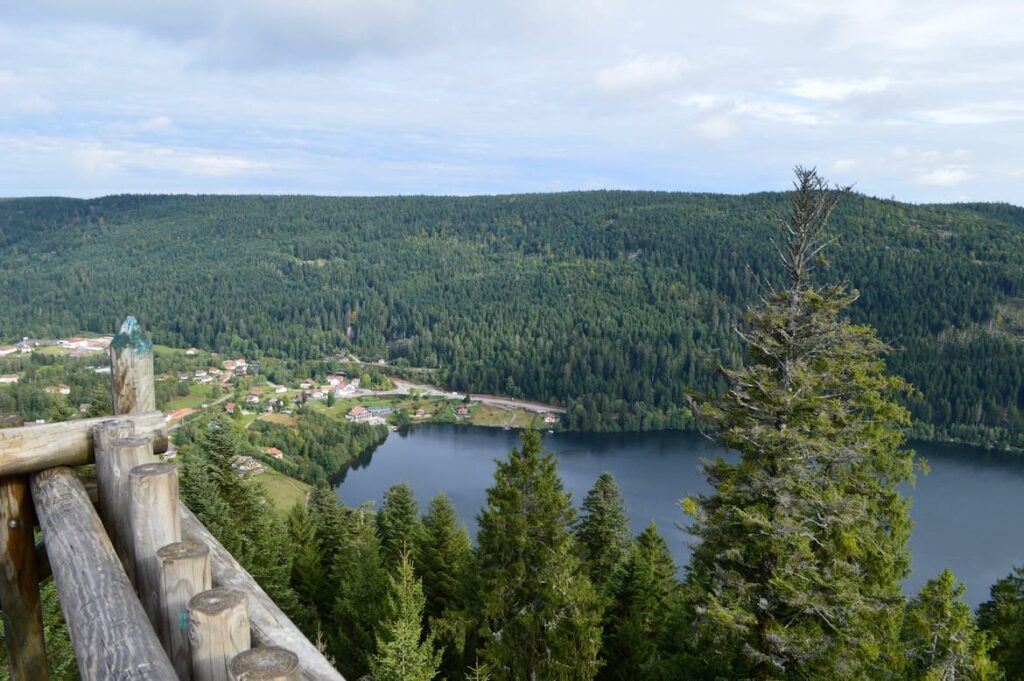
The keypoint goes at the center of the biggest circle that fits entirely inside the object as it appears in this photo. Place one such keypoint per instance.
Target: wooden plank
(30, 449)
(131, 370)
(109, 629)
(184, 572)
(19, 586)
(265, 664)
(153, 517)
(268, 624)
(218, 628)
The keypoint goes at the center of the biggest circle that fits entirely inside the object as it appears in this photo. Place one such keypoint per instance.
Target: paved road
(403, 387)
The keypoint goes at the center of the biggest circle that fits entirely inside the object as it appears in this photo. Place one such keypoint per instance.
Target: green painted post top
(130, 337)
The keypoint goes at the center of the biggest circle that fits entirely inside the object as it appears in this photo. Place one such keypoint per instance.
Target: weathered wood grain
(125, 454)
(30, 449)
(268, 624)
(218, 630)
(19, 585)
(265, 664)
(131, 370)
(109, 629)
(154, 521)
(184, 572)
(104, 435)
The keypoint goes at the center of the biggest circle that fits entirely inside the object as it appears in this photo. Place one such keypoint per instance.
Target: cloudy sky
(921, 100)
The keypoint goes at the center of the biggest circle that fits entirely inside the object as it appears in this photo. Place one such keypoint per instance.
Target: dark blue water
(969, 512)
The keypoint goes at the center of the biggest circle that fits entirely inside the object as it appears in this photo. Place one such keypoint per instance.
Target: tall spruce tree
(361, 582)
(443, 555)
(403, 653)
(398, 525)
(643, 592)
(307, 578)
(940, 638)
(444, 559)
(1002, 617)
(803, 540)
(539, 614)
(602, 531)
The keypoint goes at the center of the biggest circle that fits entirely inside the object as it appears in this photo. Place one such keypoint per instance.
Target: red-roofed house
(275, 452)
(358, 413)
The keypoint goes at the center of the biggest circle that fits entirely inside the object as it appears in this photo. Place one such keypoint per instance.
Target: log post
(107, 625)
(19, 585)
(218, 631)
(265, 664)
(131, 370)
(155, 523)
(126, 454)
(184, 572)
(107, 472)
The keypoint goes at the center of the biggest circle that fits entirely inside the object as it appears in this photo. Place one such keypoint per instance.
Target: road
(403, 387)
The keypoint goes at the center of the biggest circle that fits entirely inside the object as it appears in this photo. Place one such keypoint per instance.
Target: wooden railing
(147, 592)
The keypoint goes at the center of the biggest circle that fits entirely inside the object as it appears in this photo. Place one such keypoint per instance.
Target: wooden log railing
(97, 563)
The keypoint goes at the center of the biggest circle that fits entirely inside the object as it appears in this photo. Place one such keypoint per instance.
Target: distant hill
(611, 302)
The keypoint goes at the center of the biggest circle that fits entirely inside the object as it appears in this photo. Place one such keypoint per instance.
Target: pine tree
(397, 524)
(643, 592)
(444, 559)
(360, 604)
(540, 615)
(199, 491)
(941, 640)
(1002, 618)
(307, 578)
(803, 541)
(603, 530)
(403, 653)
(443, 554)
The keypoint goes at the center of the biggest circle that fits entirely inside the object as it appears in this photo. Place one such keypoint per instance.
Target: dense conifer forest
(610, 302)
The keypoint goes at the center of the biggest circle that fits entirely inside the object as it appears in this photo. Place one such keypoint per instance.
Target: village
(237, 387)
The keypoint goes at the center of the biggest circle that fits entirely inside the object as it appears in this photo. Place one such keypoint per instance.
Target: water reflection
(967, 512)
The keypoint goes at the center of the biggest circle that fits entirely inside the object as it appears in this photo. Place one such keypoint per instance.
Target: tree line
(613, 303)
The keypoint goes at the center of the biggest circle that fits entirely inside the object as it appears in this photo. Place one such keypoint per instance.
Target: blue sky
(921, 100)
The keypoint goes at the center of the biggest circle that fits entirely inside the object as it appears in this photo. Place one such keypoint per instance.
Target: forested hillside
(611, 302)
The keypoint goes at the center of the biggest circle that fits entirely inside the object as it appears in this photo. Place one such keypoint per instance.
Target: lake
(968, 512)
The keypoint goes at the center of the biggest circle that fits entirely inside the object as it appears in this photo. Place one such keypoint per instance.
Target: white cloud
(95, 158)
(17, 96)
(156, 123)
(641, 74)
(715, 128)
(837, 90)
(980, 113)
(843, 165)
(945, 177)
(779, 112)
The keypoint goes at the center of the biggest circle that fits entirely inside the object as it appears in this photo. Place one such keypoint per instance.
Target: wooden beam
(268, 624)
(131, 370)
(19, 585)
(109, 629)
(30, 449)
